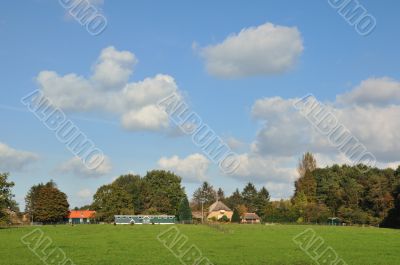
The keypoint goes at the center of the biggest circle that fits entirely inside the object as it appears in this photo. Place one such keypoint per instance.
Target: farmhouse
(145, 219)
(81, 217)
(251, 218)
(218, 209)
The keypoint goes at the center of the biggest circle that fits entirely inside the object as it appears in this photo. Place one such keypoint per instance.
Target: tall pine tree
(235, 216)
(184, 211)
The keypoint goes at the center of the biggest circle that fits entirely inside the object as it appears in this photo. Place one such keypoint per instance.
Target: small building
(334, 221)
(197, 216)
(251, 218)
(81, 217)
(144, 219)
(218, 209)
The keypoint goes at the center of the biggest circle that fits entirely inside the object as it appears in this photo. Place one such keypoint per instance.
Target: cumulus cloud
(285, 132)
(265, 169)
(113, 69)
(264, 50)
(374, 91)
(280, 190)
(75, 167)
(147, 118)
(235, 144)
(193, 168)
(108, 90)
(376, 125)
(276, 173)
(84, 193)
(15, 160)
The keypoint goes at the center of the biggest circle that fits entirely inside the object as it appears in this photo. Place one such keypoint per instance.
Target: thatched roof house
(251, 218)
(218, 209)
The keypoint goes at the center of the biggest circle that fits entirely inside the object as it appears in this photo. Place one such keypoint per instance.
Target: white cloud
(84, 194)
(235, 144)
(280, 191)
(108, 90)
(376, 91)
(192, 168)
(148, 118)
(15, 160)
(377, 127)
(276, 173)
(392, 165)
(329, 159)
(264, 50)
(74, 166)
(261, 169)
(113, 69)
(287, 133)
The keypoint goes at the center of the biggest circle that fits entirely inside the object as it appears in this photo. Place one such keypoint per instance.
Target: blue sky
(249, 108)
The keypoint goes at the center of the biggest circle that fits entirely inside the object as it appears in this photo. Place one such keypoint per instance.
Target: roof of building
(251, 216)
(218, 206)
(196, 215)
(81, 214)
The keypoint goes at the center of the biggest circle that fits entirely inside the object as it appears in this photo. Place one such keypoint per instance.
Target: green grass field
(244, 244)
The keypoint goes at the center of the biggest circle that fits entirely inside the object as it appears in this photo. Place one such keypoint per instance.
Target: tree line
(158, 192)
(354, 194)
(368, 196)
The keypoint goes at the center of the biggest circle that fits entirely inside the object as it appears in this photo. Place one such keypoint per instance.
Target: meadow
(225, 244)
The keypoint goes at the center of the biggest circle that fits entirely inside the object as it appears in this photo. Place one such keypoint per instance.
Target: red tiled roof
(82, 214)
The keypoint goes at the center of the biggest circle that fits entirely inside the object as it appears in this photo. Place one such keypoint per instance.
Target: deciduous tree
(110, 200)
(132, 185)
(46, 203)
(6, 197)
(163, 191)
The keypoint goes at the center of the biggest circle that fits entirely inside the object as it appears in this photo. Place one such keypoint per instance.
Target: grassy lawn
(244, 244)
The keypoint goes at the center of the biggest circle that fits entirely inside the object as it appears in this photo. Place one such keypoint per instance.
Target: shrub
(224, 219)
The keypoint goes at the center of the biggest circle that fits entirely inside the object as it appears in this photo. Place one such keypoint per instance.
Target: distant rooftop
(81, 214)
(218, 206)
(251, 216)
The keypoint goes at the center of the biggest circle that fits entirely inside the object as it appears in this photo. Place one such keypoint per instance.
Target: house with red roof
(81, 216)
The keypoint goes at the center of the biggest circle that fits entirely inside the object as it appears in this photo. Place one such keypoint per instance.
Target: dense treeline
(356, 197)
(158, 192)
(354, 194)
